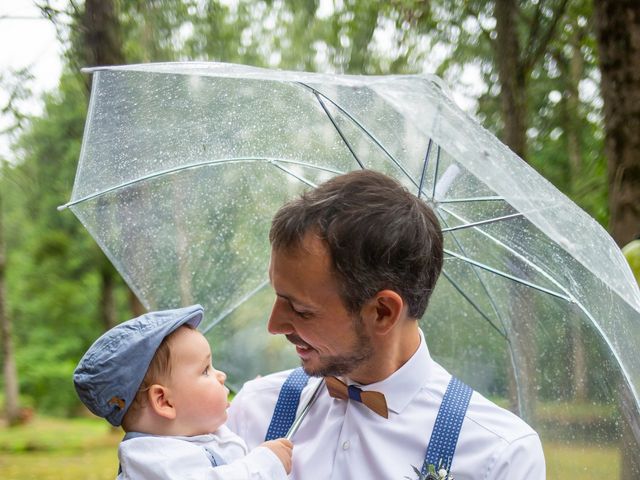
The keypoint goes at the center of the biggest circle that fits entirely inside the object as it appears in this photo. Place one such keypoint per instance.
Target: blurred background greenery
(551, 78)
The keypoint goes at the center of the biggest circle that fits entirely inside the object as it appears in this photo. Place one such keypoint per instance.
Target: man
(353, 264)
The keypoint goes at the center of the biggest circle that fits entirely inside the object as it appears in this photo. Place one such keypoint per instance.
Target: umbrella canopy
(183, 166)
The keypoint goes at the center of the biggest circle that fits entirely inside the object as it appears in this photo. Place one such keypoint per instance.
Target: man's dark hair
(379, 235)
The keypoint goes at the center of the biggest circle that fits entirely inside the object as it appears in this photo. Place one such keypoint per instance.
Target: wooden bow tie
(374, 400)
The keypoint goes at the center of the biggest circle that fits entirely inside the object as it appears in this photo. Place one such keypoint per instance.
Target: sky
(27, 40)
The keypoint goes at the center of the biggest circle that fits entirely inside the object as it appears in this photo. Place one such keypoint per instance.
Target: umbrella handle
(303, 413)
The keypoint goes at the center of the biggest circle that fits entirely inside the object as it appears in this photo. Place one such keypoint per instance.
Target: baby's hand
(283, 448)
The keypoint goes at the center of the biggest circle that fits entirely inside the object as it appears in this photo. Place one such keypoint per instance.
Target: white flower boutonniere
(432, 474)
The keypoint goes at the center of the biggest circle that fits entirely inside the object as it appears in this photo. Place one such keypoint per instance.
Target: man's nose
(222, 377)
(278, 320)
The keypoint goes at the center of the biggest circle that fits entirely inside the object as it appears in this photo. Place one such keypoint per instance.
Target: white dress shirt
(344, 440)
(184, 458)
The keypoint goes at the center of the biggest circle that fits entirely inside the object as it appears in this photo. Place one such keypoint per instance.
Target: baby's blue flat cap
(111, 372)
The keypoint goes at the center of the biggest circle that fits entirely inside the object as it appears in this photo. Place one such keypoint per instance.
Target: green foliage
(567, 69)
(53, 272)
(631, 252)
(52, 282)
(152, 29)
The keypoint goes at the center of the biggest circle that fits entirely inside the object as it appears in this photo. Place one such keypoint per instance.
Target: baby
(154, 376)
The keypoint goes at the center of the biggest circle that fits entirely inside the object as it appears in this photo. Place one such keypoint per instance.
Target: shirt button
(346, 445)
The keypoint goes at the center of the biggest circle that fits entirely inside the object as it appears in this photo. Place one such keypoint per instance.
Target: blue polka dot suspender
(446, 430)
(284, 413)
(444, 437)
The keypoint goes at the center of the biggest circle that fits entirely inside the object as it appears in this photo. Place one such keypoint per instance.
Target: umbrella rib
(473, 304)
(335, 125)
(568, 297)
(425, 164)
(295, 175)
(484, 287)
(472, 199)
(625, 373)
(518, 255)
(492, 303)
(304, 164)
(234, 307)
(298, 421)
(190, 166)
(366, 132)
(435, 175)
(482, 222)
(500, 273)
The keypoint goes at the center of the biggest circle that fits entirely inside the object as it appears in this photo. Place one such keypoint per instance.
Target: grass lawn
(86, 449)
(51, 448)
(583, 462)
(97, 464)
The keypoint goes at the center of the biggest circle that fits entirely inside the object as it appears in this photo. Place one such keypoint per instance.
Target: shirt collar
(401, 386)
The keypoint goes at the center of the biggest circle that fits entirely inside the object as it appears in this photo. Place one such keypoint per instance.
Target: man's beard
(341, 365)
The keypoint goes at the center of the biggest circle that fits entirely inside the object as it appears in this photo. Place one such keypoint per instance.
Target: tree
(18, 89)
(618, 30)
(568, 133)
(516, 57)
(53, 283)
(102, 41)
(510, 38)
(12, 406)
(618, 33)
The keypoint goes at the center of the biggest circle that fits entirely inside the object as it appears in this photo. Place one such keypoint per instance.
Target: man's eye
(301, 314)
(206, 372)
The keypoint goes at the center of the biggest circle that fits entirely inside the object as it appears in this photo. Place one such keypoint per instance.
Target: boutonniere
(431, 474)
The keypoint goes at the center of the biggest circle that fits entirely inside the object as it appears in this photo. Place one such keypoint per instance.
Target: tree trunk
(11, 389)
(523, 382)
(512, 78)
(102, 34)
(108, 314)
(573, 123)
(103, 46)
(618, 34)
(135, 305)
(572, 70)
(359, 58)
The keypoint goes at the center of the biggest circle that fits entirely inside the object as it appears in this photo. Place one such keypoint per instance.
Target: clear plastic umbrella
(183, 166)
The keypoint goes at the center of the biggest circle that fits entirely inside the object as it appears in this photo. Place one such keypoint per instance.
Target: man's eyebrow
(287, 297)
(292, 300)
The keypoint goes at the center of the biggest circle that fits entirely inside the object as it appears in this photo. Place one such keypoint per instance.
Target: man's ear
(160, 401)
(387, 308)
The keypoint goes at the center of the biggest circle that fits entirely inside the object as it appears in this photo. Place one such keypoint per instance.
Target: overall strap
(284, 413)
(215, 459)
(446, 430)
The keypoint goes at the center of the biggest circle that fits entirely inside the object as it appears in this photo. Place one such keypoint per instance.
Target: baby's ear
(159, 401)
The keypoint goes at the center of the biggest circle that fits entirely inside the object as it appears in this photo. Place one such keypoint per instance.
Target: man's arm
(252, 408)
(156, 458)
(522, 459)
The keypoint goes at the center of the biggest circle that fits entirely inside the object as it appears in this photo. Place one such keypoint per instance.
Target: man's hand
(283, 448)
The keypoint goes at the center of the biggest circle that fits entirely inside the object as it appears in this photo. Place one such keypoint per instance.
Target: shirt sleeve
(260, 464)
(251, 410)
(522, 459)
(169, 459)
(235, 419)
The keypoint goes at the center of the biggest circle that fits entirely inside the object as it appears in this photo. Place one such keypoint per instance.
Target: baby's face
(197, 389)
